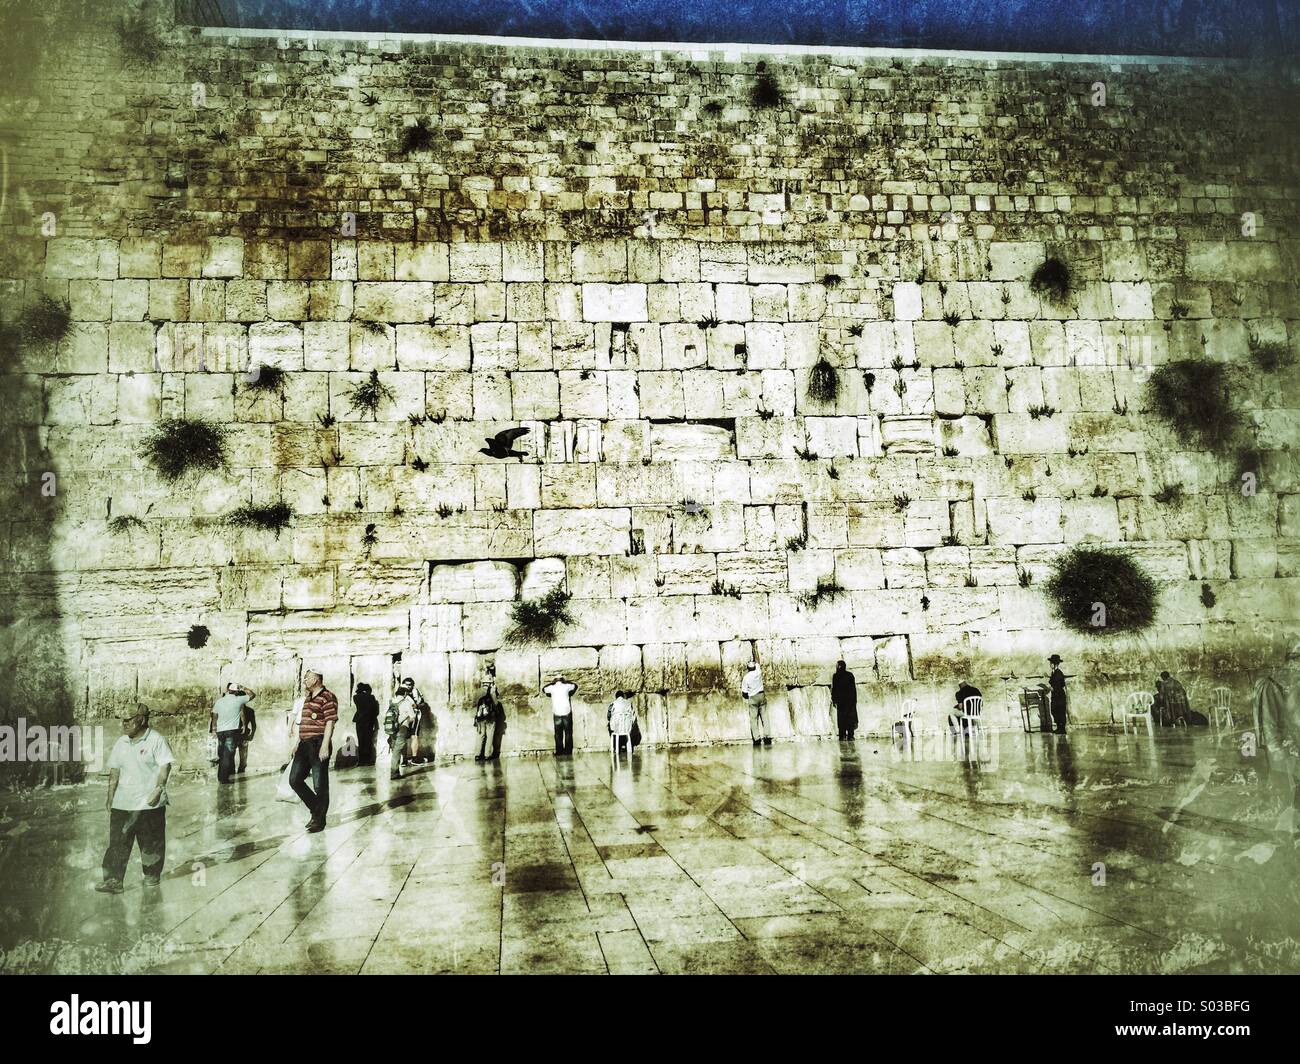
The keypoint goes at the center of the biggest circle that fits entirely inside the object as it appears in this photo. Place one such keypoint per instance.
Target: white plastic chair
(968, 721)
(1221, 707)
(908, 718)
(1139, 708)
(621, 722)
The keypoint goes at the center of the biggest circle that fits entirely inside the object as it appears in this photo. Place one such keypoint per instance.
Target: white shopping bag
(283, 792)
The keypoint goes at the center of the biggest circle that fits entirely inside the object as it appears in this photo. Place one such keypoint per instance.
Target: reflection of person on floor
(487, 716)
(751, 690)
(245, 737)
(965, 690)
(561, 692)
(1277, 727)
(1056, 681)
(1171, 701)
(366, 719)
(311, 754)
(621, 717)
(401, 722)
(138, 769)
(844, 697)
(228, 720)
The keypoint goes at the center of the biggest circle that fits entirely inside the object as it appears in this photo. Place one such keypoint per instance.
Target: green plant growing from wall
(368, 396)
(177, 446)
(1052, 280)
(823, 382)
(807, 454)
(139, 39)
(766, 92)
(269, 517)
(902, 502)
(370, 538)
(1041, 410)
(45, 323)
(197, 637)
(1271, 357)
(265, 379)
(1099, 591)
(825, 591)
(539, 621)
(721, 588)
(798, 542)
(418, 136)
(952, 318)
(1023, 576)
(1169, 493)
(124, 524)
(1192, 396)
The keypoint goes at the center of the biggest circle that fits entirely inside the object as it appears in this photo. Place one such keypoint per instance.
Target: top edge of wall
(712, 52)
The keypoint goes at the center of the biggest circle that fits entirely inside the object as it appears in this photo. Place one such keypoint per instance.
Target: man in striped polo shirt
(311, 755)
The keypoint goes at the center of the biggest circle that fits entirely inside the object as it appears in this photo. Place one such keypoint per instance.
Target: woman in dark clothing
(844, 697)
(1057, 683)
(366, 718)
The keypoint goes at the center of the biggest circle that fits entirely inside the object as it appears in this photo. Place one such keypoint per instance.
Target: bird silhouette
(501, 445)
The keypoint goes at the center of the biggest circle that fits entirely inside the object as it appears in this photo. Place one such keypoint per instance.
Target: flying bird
(502, 444)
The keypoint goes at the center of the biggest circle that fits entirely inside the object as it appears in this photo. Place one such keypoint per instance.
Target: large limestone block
(672, 443)
(438, 627)
(365, 585)
(1025, 434)
(753, 571)
(540, 576)
(1012, 520)
(590, 531)
(969, 436)
(906, 434)
(614, 302)
(310, 632)
(686, 574)
(486, 581)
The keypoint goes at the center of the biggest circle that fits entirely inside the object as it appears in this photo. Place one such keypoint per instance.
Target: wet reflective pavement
(1088, 853)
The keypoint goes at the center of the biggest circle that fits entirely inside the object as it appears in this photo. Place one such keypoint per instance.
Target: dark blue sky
(1152, 27)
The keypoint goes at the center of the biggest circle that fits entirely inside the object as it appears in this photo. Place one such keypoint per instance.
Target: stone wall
(623, 252)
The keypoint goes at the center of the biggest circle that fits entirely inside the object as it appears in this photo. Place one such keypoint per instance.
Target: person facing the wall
(311, 755)
(138, 769)
(844, 697)
(1277, 728)
(366, 719)
(621, 714)
(1060, 702)
(401, 722)
(1174, 703)
(965, 690)
(487, 714)
(751, 690)
(561, 692)
(228, 720)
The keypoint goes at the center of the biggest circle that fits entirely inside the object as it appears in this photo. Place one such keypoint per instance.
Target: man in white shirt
(751, 690)
(138, 769)
(229, 720)
(561, 691)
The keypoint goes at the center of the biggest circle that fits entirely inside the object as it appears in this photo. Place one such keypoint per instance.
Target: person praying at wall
(751, 690)
(229, 719)
(366, 719)
(487, 715)
(965, 690)
(401, 723)
(844, 697)
(1277, 731)
(138, 769)
(1174, 705)
(561, 692)
(1056, 681)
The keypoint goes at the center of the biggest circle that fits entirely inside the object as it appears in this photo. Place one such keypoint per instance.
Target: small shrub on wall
(1101, 591)
(539, 621)
(1192, 396)
(178, 446)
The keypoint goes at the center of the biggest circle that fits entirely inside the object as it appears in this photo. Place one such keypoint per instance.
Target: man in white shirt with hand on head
(561, 691)
(751, 690)
(229, 719)
(138, 769)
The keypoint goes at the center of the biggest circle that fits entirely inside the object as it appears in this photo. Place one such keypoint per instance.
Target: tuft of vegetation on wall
(177, 446)
(539, 621)
(1101, 591)
(1192, 397)
(272, 517)
(1052, 280)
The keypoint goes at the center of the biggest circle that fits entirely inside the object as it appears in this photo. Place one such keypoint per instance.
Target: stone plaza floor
(1096, 852)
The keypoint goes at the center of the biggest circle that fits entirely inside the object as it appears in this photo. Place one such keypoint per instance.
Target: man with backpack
(401, 722)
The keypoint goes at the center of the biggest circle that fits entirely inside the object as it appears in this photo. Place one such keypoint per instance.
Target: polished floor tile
(1089, 853)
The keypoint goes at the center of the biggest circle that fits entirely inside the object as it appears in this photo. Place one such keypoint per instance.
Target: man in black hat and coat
(844, 697)
(1057, 683)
